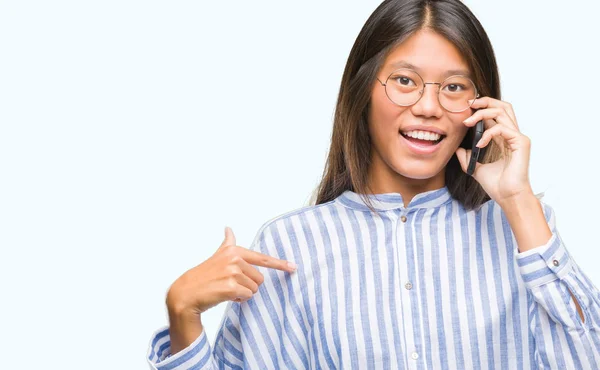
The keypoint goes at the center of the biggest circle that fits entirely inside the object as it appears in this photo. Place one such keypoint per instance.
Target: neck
(383, 179)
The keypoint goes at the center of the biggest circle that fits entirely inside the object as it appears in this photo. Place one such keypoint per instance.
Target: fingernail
(479, 143)
(471, 101)
(292, 265)
(468, 120)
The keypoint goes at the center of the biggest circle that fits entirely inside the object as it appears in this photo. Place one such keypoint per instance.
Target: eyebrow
(450, 72)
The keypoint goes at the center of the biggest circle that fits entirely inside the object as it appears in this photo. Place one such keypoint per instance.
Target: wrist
(525, 216)
(177, 306)
(184, 329)
(525, 197)
(185, 318)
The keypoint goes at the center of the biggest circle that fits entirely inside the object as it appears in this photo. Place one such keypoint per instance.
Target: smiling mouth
(424, 141)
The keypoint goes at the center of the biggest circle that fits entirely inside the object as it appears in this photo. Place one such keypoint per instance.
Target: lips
(419, 147)
(425, 140)
(424, 128)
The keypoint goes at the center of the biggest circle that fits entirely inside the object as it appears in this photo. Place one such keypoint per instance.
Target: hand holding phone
(476, 152)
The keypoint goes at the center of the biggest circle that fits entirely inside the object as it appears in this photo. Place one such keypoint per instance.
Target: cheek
(457, 139)
(382, 112)
(459, 130)
(383, 116)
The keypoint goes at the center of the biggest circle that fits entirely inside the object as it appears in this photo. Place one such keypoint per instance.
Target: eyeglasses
(405, 87)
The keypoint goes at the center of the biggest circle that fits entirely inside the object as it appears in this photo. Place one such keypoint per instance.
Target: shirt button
(555, 263)
(403, 218)
(414, 355)
(408, 286)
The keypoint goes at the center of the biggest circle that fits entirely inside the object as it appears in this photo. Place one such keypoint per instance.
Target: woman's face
(393, 157)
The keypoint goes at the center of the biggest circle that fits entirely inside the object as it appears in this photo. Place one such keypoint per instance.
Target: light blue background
(132, 132)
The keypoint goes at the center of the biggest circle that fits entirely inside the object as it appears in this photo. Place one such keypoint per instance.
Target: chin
(419, 171)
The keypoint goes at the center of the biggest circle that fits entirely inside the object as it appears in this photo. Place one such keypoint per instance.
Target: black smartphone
(476, 153)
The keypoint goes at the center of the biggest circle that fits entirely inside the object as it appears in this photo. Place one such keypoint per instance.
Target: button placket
(405, 291)
(407, 285)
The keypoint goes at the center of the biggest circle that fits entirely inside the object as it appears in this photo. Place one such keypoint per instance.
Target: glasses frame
(423, 89)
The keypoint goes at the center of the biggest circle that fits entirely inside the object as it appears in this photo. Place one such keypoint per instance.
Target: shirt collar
(388, 201)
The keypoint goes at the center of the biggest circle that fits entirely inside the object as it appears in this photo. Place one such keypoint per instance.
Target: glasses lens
(456, 92)
(404, 87)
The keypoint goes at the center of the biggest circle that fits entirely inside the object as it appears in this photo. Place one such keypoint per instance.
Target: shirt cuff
(545, 263)
(159, 352)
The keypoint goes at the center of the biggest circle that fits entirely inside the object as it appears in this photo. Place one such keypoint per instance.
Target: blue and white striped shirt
(428, 286)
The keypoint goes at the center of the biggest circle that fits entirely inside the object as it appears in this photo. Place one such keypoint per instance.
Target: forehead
(428, 53)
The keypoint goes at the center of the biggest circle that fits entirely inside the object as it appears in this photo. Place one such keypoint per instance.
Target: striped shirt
(427, 286)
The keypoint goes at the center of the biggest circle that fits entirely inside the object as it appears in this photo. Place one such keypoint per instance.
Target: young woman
(404, 261)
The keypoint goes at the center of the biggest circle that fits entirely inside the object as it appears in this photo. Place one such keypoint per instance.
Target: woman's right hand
(226, 275)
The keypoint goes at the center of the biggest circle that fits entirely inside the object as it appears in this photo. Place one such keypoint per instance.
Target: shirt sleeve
(197, 354)
(226, 353)
(562, 338)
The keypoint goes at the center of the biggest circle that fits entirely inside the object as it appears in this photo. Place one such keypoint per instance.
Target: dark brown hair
(390, 24)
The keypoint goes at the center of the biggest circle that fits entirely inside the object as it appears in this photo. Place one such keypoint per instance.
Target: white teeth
(423, 135)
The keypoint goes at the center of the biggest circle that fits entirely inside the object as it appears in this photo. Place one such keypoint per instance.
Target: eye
(454, 88)
(405, 81)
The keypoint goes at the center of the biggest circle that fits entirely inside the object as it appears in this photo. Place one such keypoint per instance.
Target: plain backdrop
(132, 132)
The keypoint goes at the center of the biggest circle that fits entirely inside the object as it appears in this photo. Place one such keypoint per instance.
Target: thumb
(229, 237)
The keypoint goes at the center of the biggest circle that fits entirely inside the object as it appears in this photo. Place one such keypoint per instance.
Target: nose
(428, 105)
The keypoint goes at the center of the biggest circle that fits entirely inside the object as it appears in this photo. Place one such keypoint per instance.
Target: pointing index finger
(259, 259)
